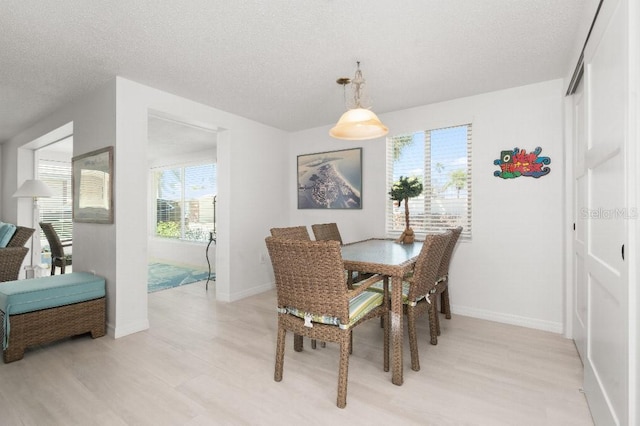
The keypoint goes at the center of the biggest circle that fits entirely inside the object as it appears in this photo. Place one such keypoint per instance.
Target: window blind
(441, 160)
(57, 208)
(184, 201)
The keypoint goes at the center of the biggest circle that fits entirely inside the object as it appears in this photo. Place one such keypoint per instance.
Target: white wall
(251, 172)
(94, 127)
(512, 270)
(250, 158)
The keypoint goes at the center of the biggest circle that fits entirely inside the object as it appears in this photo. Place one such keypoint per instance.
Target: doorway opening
(182, 200)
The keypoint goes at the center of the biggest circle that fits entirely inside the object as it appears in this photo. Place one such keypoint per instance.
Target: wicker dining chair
(12, 256)
(443, 274)
(59, 258)
(418, 291)
(294, 233)
(314, 301)
(330, 232)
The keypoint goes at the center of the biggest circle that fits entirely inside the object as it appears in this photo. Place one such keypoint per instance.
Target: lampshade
(359, 122)
(33, 188)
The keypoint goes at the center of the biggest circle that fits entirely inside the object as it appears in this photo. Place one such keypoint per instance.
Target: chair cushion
(6, 233)
(378, 287)
(18, 297)
(359, 306)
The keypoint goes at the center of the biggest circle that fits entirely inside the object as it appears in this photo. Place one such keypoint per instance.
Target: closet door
(579, 314)
(607, 342)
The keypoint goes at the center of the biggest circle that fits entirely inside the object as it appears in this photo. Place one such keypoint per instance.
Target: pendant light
(359, 122)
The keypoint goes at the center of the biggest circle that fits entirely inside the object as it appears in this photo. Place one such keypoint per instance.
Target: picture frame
(92, 184)
(330, 180)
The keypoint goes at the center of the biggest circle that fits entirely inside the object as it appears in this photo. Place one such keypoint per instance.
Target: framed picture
(93, 186)
(330, 180)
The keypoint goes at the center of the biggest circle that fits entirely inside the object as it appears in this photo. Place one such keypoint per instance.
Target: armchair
(12, 256)
(58, 257)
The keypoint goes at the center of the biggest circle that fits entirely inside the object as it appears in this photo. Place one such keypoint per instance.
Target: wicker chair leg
(433, 322)
(297, 343)
(277, 376)
(413, 339)
(436, 317)
(343, 373)
(386, 340)
(314, 344)
(445, 307)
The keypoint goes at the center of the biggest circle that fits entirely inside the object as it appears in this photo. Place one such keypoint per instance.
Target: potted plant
(402, 190)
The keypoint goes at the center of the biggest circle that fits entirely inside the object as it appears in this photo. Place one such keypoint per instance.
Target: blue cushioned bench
(43, 310)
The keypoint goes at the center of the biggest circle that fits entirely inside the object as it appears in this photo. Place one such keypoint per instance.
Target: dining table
(390, 258)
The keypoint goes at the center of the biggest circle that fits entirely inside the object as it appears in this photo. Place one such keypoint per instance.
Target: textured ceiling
(276, 61)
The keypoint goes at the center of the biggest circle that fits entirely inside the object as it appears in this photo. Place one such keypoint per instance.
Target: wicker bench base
(49, 325)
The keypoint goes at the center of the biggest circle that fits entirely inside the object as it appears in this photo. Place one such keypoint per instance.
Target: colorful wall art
(517, 162)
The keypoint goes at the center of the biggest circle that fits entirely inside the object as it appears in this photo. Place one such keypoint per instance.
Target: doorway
(182, 202)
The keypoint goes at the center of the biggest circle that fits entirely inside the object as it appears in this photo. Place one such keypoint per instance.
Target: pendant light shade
(359, 122)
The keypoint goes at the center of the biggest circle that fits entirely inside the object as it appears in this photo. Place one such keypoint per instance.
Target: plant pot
(407, 237)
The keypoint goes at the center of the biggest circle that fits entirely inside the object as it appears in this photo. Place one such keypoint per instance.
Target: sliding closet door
(605, 271)
(579, 314)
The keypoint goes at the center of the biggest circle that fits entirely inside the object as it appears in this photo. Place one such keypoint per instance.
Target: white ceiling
(276, 61)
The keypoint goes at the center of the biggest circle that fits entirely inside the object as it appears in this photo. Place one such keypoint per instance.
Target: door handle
(623, 252)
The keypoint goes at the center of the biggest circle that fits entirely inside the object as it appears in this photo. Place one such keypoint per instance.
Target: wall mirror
(93, 186)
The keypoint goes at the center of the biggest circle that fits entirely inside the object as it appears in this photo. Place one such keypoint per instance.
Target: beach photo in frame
(330, 180)
(93, 186)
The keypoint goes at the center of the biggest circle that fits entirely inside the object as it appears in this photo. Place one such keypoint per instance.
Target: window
(441, 160)
(185, 198)
(57, 208)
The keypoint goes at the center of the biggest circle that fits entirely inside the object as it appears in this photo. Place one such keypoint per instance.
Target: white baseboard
(129, 329)
(232, 297)
(554, 327)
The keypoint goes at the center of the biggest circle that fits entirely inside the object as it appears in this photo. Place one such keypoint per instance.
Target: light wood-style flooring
(208, 363)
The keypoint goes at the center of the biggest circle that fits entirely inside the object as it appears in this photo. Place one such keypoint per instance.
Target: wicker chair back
(425, 272)
(291, 233)
(310, 276)
(326, 231)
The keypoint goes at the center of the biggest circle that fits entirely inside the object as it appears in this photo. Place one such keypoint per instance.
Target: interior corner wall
(251, 193)
(250, 160)
(94, 127)
(512, 270)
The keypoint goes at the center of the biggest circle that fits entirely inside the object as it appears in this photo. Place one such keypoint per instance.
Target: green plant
(168, 229)
(403, 189)
(457, 179)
